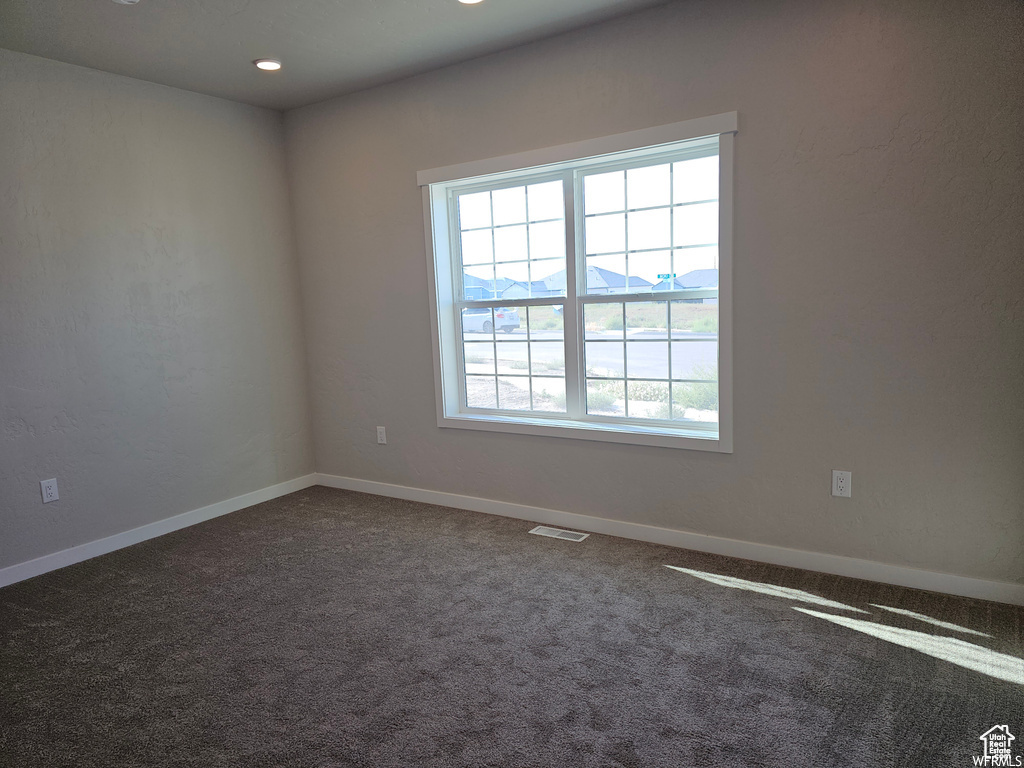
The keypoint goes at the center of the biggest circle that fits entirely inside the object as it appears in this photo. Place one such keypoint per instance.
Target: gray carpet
(330, 628)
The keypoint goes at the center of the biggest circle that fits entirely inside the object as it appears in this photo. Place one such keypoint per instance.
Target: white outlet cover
(842, 483)
(49, 490)
(382, 436)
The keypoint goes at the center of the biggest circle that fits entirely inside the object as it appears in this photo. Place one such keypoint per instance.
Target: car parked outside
(479, 320)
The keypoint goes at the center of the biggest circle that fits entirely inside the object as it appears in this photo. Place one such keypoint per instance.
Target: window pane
(647, 359)
(547, 278)
(696, 224)
(547, 358)
(478, 282)
(647, 320)
(648, 399)
(695, 180)
(603, 321)
(546, 323)
(514, 393)
(648, 187)
(509, 273)
(519, 289)
(649, 271)
(649, 229)
(510, 244)
(691, 259)
(546, 201)
(507, 320)
(477, 324)
(479, 357)
(606, 274)
(515, 260)
(476, 247)
(475, 210)
(547, 240)
(695, 360)
(694, 317)
(604, 192)
(509, 205)
(512, 357)
(480, 392)
(549, 395)
(604, 359)
(694, 402)
(524, 369)
(606, 234)
(606, 398)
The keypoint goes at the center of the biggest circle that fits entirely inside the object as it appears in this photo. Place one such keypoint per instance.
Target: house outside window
(584, 291)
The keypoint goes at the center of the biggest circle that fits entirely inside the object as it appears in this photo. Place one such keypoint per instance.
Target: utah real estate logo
(998, 748)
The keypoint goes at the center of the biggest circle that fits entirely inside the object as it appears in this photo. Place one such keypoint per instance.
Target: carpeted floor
(331, 628)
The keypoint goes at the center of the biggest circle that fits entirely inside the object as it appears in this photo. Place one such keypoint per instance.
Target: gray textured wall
(151, 349)
(878, 272)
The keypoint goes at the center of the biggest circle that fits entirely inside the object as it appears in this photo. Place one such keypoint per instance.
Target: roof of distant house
(598, 277)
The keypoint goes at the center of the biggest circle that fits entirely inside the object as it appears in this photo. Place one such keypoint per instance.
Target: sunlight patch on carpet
(951, 649)
(930, 620)
(767, 589)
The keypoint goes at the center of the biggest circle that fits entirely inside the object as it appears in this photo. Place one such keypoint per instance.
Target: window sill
(695, 439)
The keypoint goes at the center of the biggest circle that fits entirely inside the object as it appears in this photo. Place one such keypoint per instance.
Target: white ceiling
(329, 47)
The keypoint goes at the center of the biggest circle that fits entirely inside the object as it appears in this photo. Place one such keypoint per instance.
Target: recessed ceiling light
(126, 2)
(464, 2)
(270, 65)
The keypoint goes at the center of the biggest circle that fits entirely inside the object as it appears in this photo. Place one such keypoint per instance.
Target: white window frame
(563, 162)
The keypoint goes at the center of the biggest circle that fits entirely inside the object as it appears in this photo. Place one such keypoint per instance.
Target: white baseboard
(40, 565)
(996, 591)
(949, 584)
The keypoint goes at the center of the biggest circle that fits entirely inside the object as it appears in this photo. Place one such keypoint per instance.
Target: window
(585, 291)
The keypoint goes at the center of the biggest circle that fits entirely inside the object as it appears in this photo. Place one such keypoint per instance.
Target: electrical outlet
(49, 489)
(842, 483)
(382, 436)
